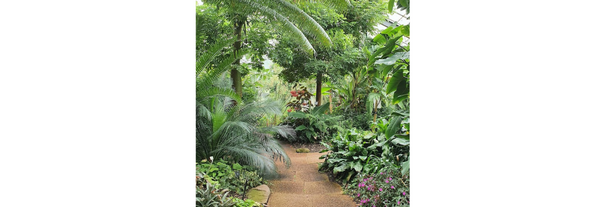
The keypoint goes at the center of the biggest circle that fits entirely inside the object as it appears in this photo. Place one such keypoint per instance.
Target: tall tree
(348, 30)
(283, 14)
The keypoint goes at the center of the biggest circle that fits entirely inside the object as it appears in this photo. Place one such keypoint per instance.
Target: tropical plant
(234, 177)
(208, 194)
(245, 203)
(354, 151)
(314, 125)
(302, 99)
(284, 13)
(347, 30)
(231, 131)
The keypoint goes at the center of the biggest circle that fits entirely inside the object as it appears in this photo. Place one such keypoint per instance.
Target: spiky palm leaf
(286, 14)
(228, 131)
(233, 133)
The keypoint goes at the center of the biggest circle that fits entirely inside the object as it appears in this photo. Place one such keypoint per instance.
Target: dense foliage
(315, 125)
(302, 71)
(233, 177)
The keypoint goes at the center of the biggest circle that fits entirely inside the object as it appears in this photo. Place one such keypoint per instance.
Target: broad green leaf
(301, 127)
(391, 4)
(237, 166)
(401, 141)
(405, 167)
(394, 126)
(394, 81)
(393, 58)
(358, 166)
(320, 109)
(379, 39)
(297, 114)
(340, 168)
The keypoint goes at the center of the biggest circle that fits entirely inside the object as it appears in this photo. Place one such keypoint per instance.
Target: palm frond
(221, 68)
(303, 20)
(204, 60)
(216, 91)
(271, 13)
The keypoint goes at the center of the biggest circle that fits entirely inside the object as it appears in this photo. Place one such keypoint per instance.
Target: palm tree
(232, 132)
(285, 14)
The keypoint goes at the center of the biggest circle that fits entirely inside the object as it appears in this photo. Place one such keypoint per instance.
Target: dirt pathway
(302, 185)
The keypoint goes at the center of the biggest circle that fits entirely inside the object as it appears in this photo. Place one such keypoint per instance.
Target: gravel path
(302, 185)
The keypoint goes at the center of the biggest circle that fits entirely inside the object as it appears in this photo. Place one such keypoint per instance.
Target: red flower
(289, 110)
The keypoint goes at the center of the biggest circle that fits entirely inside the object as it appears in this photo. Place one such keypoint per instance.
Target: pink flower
(392, 187)
(390, 178)
(365, 180)
(398, 202)
(403, 193)
(381, 173)
(386, 181)
(358, 195)
(380, 189)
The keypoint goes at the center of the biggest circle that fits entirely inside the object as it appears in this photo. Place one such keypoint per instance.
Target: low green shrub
(208, 193)
(355, 151)
(234, 176)
(350, 151)
(245, 203)
(315, 125)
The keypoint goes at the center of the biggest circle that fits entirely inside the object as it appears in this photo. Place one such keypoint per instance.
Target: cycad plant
(230, 130)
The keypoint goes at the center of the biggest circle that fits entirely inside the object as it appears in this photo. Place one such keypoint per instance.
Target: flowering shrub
(386, 188)
(302, 100)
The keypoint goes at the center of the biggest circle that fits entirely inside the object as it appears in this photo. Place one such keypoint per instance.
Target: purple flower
(386, 181)
(381, 173)
(398, 202)
(362, 184)
(403, 193)
(390, 178)
(392, 187)
(365, 180)
(380, 189)
(358, 195)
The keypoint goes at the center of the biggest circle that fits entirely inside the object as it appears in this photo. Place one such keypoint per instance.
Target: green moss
(302, 150)
(256, 195)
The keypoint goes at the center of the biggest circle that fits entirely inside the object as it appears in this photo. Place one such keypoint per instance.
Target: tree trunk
(236, 76)
(331, 101)
(318, 88)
